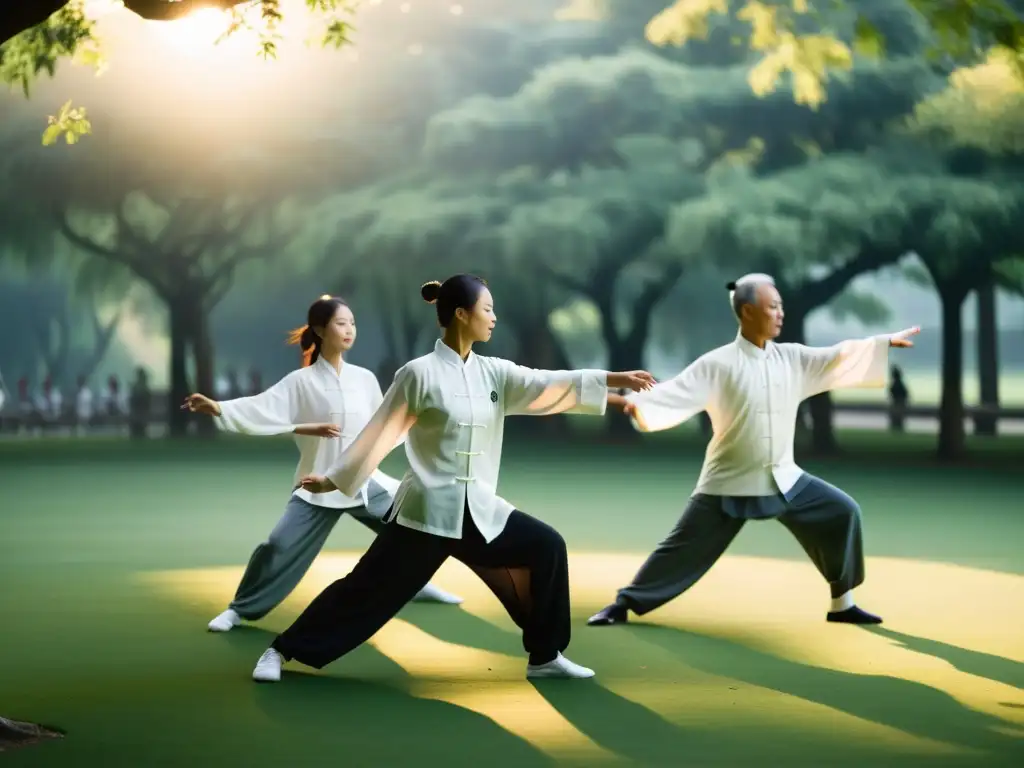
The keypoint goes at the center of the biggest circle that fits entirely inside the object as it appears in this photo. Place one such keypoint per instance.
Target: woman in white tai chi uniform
(452, 404)
(325, 404)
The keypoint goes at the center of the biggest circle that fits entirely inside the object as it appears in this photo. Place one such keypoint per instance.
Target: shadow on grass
(452, 624)
(908, 706)
(995, 668)
(361, 711)
(367, 723)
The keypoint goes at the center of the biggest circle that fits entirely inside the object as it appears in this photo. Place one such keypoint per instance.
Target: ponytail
(308, 342)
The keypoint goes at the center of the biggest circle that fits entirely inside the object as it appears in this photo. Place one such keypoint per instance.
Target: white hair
(744, 290)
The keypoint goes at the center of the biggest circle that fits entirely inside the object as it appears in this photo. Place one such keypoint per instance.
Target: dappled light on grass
(748, 647)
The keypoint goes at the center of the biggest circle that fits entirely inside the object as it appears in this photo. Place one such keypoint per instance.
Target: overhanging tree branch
(824, 289)
(648, 300)
(219, 278)
(125, 257)
(566, 281)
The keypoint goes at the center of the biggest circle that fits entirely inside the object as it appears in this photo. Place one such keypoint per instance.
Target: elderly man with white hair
(751, 389)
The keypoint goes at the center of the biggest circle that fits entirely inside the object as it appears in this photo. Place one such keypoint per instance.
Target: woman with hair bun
(325, 404)
(450, 407)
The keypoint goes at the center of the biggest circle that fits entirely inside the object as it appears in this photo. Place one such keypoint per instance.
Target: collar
(449, 355)
(753, 351)
(324, 367)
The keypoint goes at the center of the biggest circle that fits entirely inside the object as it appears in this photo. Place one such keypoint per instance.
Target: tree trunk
(623, 355)
(103, 336)
(626, 351)
(988, 357)
(952, 441)
(177, 419)
(823, 435)
(55, 340)
(203, 359)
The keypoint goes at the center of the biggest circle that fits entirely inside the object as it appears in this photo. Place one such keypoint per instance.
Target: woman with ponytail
(324, 404)
(451, 405)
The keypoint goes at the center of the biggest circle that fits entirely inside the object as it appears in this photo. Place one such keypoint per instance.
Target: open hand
(317, 484)
(638, 381)
(319, 430)
(197, 403)
(902, 339)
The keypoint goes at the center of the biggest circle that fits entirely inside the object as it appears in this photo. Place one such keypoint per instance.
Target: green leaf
(337, 34)
(867, 40)
(51, 134)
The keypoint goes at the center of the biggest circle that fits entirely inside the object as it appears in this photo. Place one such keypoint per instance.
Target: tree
(421, 226)
(804, 39)
(576, 120)
(182, 231)
(391, 234)
(814, 228)
(66, 348)
(978, 122)
(960, 228)
(796, 47)
(188, 259)
(573, 112)
(596, 235)
(61, 337)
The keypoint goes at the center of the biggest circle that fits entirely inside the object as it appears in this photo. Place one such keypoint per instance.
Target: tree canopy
(800, 43)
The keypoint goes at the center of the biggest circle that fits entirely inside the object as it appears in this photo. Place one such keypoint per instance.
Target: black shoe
(853, 615)
(613, 614)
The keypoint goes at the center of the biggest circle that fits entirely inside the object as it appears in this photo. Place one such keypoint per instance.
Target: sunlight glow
(96, 9)
(196, 34)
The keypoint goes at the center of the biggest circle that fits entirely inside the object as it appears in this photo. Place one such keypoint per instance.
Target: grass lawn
(114, 556)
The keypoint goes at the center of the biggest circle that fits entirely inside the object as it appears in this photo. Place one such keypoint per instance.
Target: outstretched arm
(272, 412)
(532, 392)
(671, 402)
(850, 364)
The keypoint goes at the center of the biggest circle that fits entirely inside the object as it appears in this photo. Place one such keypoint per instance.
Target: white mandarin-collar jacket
(752, 396)
(452, 414)
(317, 394)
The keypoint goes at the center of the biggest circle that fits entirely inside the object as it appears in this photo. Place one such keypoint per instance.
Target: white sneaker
(225, 622)
(558, 667)
(432, 594)
(268, 668)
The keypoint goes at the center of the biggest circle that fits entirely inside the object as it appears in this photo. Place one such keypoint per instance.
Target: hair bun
(430, 291)
(730, 286)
